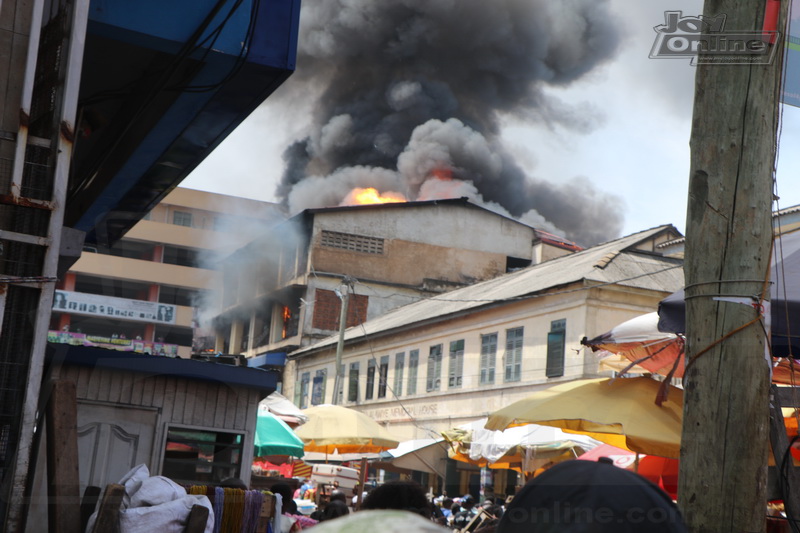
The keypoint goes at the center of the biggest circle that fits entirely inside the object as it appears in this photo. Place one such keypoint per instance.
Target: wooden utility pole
(724, 449)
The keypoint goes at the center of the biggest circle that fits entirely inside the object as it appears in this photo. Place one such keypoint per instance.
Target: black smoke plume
(410, 96)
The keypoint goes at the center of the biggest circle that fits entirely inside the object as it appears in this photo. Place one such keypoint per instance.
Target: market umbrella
(523, 448)
(421, 455)
(336, 429)
(784, 295)
(620, 412)
(275, 437)
(283, 408)
(618, 456)
(642, 344)
(662, 471)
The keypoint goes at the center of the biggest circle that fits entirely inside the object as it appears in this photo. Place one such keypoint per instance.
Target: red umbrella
(662, 471)
(640, 341)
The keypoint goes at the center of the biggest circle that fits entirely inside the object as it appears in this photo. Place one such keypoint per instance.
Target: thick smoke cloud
(412, 94)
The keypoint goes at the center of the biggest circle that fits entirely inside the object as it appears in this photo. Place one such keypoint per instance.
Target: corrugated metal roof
(614, 262)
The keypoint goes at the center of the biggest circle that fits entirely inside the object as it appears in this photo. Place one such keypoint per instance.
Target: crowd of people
(570, 497)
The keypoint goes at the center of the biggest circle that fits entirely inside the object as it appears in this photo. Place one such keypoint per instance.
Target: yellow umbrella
(336, 429)
(620, 412)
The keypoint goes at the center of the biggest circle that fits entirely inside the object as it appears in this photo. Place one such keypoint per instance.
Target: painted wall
(587, 313)
(444, 225)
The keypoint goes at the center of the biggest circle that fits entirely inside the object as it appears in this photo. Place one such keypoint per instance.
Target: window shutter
(555, 354)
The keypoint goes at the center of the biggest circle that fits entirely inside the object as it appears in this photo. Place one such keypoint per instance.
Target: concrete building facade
(141, 294)
(283, 291)
(456, 357)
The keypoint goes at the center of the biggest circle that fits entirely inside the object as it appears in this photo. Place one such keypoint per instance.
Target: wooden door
(112, 439)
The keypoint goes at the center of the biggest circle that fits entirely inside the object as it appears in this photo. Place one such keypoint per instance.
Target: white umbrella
(526, 447)
(422, 455)
(283, 408)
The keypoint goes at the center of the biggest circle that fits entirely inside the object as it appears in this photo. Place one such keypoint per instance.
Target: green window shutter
(555, 354)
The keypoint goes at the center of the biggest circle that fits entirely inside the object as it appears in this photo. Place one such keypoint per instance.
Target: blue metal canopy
(163, 83)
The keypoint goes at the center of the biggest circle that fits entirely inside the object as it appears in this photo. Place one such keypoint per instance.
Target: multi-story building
(454, 358)
(283, 290)
(141, 294)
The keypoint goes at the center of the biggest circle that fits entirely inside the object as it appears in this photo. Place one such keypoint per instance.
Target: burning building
(412, 99)
(282, 291)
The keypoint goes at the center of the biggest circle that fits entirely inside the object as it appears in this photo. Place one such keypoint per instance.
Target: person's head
(468, 503)
(286, 497)
(338, 495)
(403, 495)
(447, 503)
(583, 496)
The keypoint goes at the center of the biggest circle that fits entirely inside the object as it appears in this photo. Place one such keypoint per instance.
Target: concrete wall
(446, 225)
(587, 313)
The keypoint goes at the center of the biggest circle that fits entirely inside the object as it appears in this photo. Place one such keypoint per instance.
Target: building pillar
(252, 332)
(67, 284)
(150, 329)
(219, 343)
(70, 278)
(64, 321)
(236, 337)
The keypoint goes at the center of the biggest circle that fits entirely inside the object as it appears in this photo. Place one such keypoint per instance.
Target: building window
(413, 368)
(399, 364)
(370, 379)
(354, 243)
(488, 358)
(202, 457)
(383, 376)
(305, 380)
(434, 380)
(174, 255)
(328, 309)
(513, 354)
(318, 387)
(556, 346)
(455, 369)
(182, 218)
(352, 384)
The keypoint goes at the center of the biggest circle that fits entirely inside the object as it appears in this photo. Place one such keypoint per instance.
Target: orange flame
(444, 174)
(370, 195)
(287, 315)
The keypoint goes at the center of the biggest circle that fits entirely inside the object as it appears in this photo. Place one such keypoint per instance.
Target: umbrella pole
(636, 463)
(363, 482)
